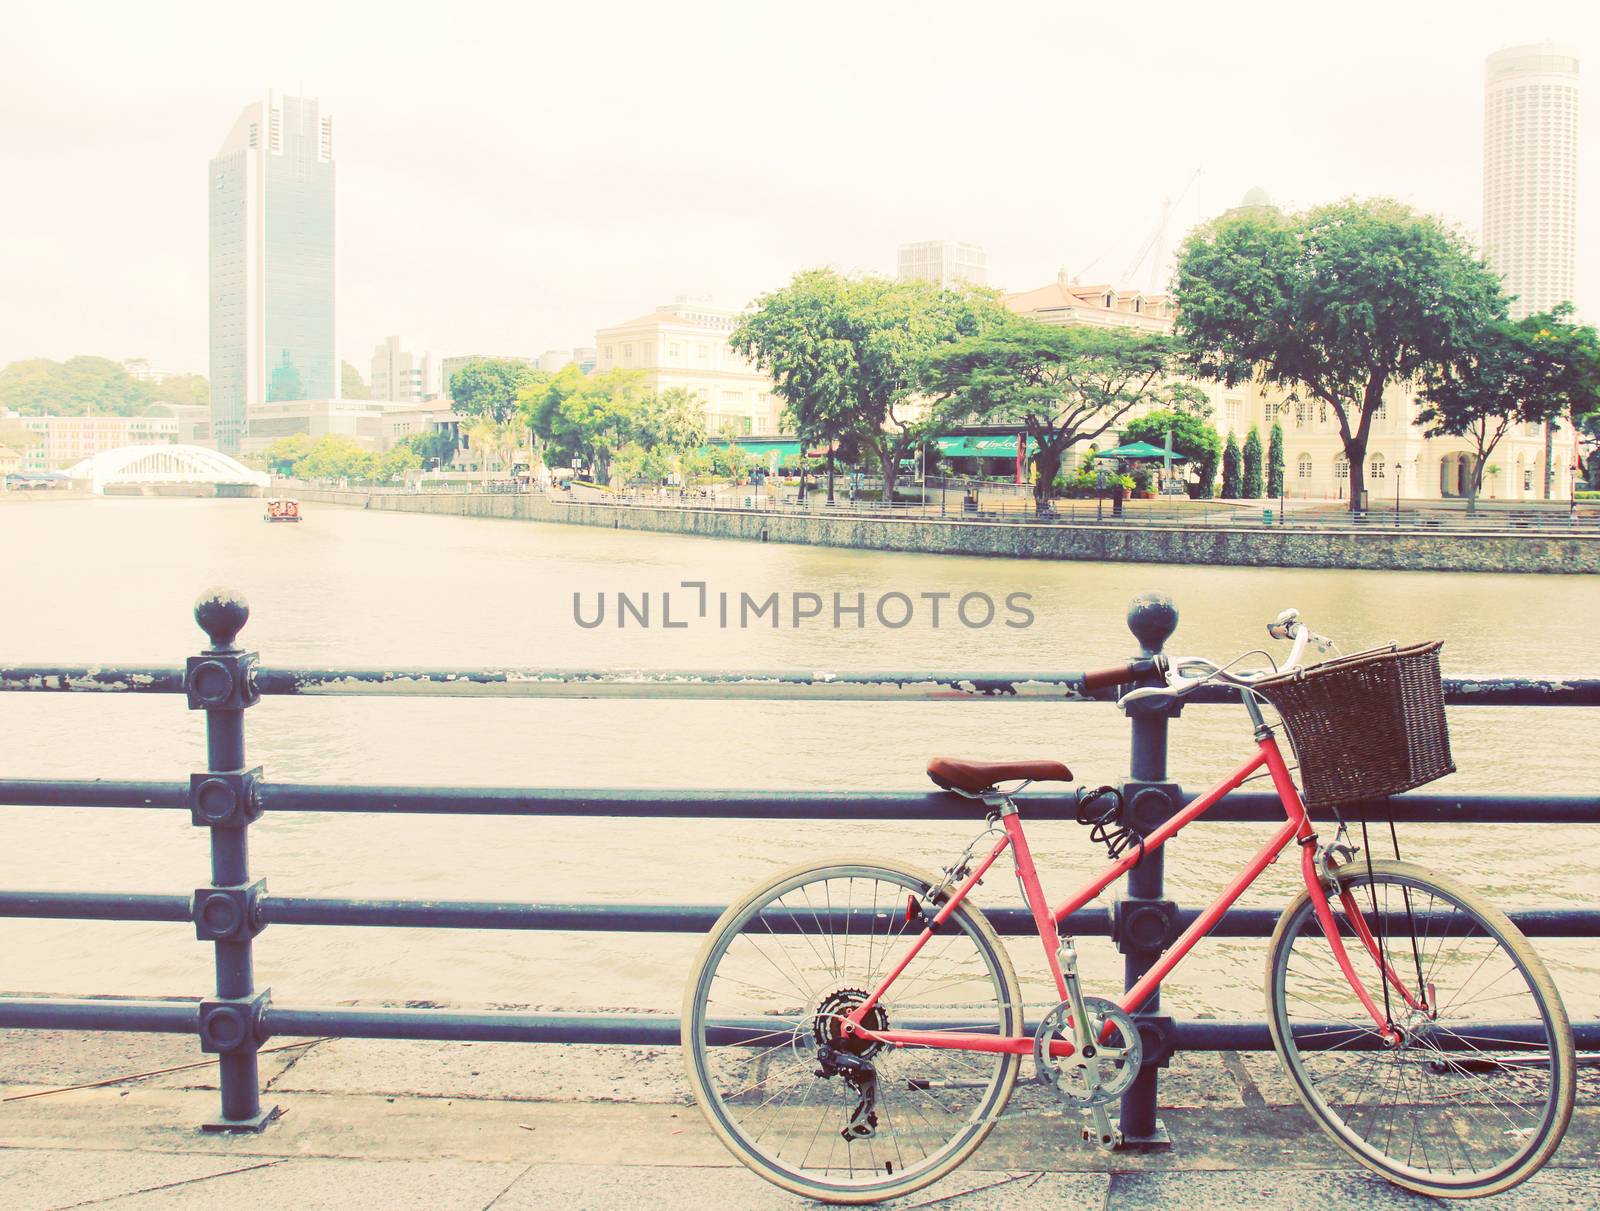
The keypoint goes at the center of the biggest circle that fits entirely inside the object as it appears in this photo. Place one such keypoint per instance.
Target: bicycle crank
(1107, 1056)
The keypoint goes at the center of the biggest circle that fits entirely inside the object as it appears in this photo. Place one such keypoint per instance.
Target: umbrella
(1134, 451)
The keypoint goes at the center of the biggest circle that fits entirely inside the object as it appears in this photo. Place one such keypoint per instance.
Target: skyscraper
(1530, 183)
(1530, 173)
(945, 262)
(271, 254)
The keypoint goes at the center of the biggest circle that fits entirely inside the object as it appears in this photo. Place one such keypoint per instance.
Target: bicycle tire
(1534, 1059)
(870, 1184)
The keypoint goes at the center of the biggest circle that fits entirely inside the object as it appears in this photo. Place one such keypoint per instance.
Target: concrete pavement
(477, 1126)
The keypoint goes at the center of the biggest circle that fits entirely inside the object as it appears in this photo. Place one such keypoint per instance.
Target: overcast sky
(513, 176)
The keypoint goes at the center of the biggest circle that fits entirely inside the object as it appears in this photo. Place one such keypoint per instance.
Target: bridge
(233, 1024)
(158, 466)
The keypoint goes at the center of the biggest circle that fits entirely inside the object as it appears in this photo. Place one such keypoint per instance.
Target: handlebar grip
(1121, 674)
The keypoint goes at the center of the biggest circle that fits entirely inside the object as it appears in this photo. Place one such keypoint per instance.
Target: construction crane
(1154, 249)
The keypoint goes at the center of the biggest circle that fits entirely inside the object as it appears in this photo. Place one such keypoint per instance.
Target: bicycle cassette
(1083, 1079)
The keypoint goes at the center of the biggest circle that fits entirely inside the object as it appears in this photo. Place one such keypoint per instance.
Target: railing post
(1143, 921)
(226, 798)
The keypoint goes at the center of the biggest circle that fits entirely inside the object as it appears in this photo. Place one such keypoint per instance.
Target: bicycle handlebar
(1186, 673)
(1122, 674)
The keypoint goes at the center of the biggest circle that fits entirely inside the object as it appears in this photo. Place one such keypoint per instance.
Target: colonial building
(685, 344)
(1399, 457)
(65, 440)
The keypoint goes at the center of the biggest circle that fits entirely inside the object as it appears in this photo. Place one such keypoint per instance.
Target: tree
(351, 384)
(282, 456)
(1230, 468)
(395, 463)
(493, 442)
(593, 416)
(1530, 371)
(488, 387)
(1338, 303)
(334, 457)
(18, 437)
(79, 386)
(846, 355)
(1275, 460)
(1589, 447)
(184, 390)
(1250, 466)
(731, 463)
(1062, 385)
(1192, 437)
(435, 445)
(672, 422)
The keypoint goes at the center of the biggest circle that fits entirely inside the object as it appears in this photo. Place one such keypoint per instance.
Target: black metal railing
(232, 910)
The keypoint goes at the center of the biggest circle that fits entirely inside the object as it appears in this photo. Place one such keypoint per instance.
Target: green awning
(980, 447)
(759, 449)
(1138, 450)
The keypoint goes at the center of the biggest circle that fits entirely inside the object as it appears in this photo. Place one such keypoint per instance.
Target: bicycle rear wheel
(1478, 1091)
(787, 1094)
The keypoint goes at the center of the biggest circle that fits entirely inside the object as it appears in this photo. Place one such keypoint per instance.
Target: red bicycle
(853, 1030)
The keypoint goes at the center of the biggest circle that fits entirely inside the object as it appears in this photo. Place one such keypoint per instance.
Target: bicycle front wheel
(1476, 1093)
(831, 1117)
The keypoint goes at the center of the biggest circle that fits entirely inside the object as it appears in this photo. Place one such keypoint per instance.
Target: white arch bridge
(161, 465)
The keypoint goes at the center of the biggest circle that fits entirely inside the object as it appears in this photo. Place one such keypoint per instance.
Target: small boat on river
(281, 508)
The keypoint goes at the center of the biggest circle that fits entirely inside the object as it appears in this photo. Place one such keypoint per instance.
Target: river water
(114, 581)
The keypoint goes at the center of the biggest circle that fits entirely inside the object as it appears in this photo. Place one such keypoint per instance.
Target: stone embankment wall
(1376, 548)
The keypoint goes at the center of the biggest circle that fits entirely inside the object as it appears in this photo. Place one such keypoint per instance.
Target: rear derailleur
(862, 1076)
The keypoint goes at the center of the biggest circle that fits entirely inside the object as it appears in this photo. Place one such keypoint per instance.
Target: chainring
(1115, 1062)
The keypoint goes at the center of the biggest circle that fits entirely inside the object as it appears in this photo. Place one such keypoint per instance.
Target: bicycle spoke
(1438, 1108)
(805, 956)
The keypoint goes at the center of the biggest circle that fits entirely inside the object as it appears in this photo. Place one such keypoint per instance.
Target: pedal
(1104, 1132)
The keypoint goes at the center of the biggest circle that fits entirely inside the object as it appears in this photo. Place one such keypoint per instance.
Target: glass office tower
(271, 256)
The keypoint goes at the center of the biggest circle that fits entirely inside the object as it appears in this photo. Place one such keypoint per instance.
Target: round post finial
(1152, 618)
(221, 613)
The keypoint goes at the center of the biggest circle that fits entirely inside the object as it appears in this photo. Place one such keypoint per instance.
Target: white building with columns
(1399, 457)
(684, 344)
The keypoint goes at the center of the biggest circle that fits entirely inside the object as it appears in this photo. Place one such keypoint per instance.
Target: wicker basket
(1365, 726)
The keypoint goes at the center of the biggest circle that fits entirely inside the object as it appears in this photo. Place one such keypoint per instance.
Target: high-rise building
(1530, 173)
(271, 253)
(943, 261)
(403, 376)
(1530, 186)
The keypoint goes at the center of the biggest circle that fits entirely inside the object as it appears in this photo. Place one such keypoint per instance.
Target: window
(1383, 410)
(674, 351)
(1303, 467)
(1527, 481)
(627, 353)
(1300, 415)
(1341, 467)
(1377, 468)
(1322, 413)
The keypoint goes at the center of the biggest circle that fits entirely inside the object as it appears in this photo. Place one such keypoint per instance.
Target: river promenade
(447, 1126)
(1372, 546)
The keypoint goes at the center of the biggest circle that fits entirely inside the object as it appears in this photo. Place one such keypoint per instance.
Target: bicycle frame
(1296, 827)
